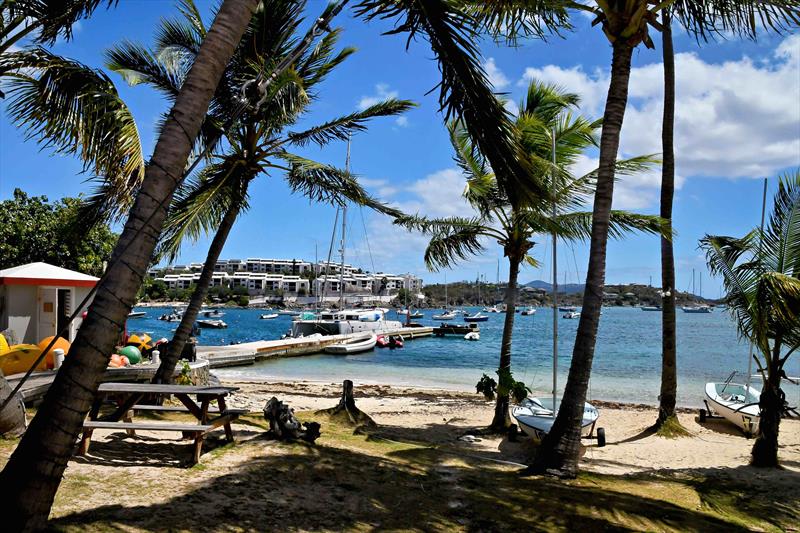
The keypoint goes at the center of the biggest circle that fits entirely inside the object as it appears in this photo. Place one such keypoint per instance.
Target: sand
(442, 416)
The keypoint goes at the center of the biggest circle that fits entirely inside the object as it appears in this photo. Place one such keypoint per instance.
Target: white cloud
(382, 92)
(382, 188)
(495, 75)
(733, 119)
(438, 194)
(401, 121)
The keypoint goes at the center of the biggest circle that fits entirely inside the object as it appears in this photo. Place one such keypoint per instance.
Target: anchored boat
(215, 324)
(477, 317)
(359, 344)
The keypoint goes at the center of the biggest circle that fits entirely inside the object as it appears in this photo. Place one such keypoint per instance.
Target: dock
(252, 352)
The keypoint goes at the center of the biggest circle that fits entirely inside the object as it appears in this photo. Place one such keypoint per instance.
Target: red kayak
(389, 341)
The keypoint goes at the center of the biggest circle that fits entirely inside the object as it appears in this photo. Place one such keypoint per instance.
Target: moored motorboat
(447, 315)
(137, 314)
(212, 313)
(289, 312)
(567, 309)
(362, 343)
(535, 417)
(477, 317)
(215, 324)
(454, 329)
(389, 341)
(650, 308)
(268, 316)
(572, 314)
(735, 402)
(528, 311)
(472, 336)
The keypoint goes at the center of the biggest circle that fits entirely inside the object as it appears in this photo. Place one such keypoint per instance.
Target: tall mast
(760, 241)
(445, 293)
(555, 284)
(344, 229)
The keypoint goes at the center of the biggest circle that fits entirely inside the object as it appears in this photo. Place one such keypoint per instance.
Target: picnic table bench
(128, 395)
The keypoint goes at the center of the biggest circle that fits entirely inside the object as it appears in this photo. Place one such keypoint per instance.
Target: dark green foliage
(486, 386)
(34, 229)
(509, 386)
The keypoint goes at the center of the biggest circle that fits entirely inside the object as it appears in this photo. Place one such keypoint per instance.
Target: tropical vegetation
(33, 229)
(761, 275)
(546, 121)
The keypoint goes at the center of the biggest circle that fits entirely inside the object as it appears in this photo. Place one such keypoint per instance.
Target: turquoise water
(626, 367)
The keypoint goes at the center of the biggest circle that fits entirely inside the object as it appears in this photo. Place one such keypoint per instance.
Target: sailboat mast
(344, 230)
(555, 286)
(760, 241)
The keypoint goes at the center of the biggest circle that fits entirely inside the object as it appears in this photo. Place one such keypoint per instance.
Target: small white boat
(696, 309)
(528, 311)
(567, 309)
(268, 316)
(650, 308)
(137, 314)
(735, 403)
(171, 317)
(355, 345)
(289, 312)
(492, 309)
(477, 317)
(401, 311)
(447, 315)
(472, 336)
(535, 417)
(212, 313)
(572, 314)
(215, 324)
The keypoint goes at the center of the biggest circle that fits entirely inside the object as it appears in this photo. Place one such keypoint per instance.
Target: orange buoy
(61, 343)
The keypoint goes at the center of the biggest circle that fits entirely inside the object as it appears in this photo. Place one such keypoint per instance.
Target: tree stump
(284, 426)
(347, 410)
(12, 418)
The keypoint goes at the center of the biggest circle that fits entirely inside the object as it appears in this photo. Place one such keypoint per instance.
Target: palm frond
(138, 65)
(448, 246)
(464, 91)
(714, 18)
(73, 109)
(341, 128)
(52, 19)
(324, 183)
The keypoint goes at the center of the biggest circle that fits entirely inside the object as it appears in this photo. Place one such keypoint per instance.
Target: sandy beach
(414, 473)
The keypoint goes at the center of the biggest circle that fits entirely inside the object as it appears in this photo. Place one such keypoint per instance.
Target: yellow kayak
(19, 358)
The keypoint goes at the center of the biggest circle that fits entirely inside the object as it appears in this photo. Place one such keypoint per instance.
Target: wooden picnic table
(128, 395)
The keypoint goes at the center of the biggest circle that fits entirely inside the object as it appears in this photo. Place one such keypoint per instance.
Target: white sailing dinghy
(536, 416)
(363, 343)
(736, 403)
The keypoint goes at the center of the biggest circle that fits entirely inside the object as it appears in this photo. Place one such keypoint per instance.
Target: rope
(320, 26)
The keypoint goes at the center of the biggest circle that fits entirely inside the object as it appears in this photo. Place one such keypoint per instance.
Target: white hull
(446, 316)
(137, 314)
(361, 344)
(269, 316)
(735, 404)
(696, 310)
(346, 322)
(535, 417)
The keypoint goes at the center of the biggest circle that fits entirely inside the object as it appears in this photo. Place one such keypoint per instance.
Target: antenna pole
(344, 229)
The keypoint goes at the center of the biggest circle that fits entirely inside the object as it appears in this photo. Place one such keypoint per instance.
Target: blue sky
(738, 119)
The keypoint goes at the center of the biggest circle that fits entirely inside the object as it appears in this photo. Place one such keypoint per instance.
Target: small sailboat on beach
(735, 402)
(536, 416)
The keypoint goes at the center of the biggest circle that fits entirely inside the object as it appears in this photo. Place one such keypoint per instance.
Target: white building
(255, 283)
(37, 299)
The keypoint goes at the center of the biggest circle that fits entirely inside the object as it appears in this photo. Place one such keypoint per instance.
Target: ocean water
(627, 362)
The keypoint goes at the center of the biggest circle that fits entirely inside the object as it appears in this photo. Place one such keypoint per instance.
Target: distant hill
(569, 288)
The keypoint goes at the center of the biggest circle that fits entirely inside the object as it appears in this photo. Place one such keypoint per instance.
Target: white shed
(37, 299)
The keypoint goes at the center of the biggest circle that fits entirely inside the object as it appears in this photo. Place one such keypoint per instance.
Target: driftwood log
(347, 410)
(12, 418)
(284, 426)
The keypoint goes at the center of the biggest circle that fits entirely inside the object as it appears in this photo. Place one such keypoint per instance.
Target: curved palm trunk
(167, 367)
(502, 420)
(560, 448)
(12, 418)
(770, 403)
(31, 477)
(669, 371)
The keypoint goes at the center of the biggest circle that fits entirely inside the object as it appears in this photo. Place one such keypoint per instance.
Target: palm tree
(258, 144)
(31, 477)
(761, 276)
(545, 112)
(626, 25)
(669, 368)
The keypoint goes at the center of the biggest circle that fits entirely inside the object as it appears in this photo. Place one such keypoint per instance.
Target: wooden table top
(153, 388)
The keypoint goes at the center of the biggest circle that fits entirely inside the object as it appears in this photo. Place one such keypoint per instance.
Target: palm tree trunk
(502, 420)
(175, 349)
(669, 372)
(765, 449)
(32, 475)
(12, 418)
(560, 448)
